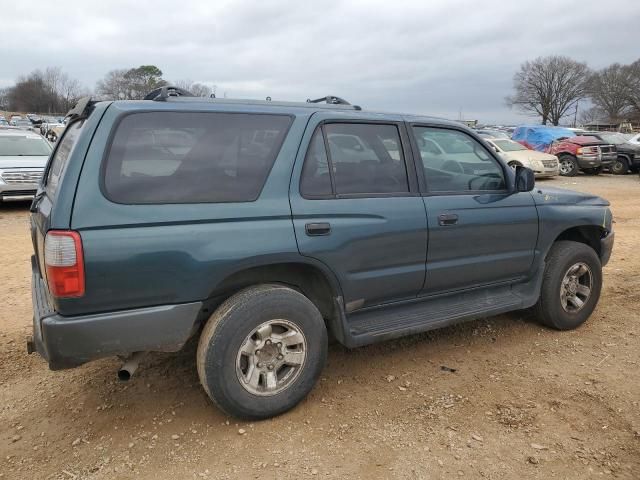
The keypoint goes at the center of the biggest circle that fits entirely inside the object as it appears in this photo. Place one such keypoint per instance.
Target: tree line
(552, 87)
(53, 91)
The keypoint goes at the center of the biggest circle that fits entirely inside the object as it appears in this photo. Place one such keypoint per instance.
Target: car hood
(23, 162)
(560, 196)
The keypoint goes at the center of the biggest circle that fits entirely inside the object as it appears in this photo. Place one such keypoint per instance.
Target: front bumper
(589, 161)
(606, 247)
(67, 342)
(17, 192)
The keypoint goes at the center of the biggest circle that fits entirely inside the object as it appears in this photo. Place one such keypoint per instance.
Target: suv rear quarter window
(178, 157)
(61, 156)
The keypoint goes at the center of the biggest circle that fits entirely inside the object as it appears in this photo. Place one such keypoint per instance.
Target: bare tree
(130, 84)
(608, 89)
(592, 115)
(114, 85)
(633, 89)
(549, 87)
(198, 89)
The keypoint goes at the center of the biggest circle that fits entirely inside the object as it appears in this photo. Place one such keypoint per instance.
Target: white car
(23, 157)
(543, 164)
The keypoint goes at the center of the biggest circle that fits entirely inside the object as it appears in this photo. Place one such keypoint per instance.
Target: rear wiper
(36, 201)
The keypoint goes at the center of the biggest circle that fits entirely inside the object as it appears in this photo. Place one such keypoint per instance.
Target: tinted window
(366, 158)
(171, 157)
(459, 163)
(62, 154)
(316, 180)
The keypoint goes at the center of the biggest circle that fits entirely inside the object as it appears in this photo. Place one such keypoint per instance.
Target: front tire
(262, 351)
(570, 287)
(568, 165)
(620, 166)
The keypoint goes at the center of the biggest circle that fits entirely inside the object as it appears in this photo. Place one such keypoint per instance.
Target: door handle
(317, 229)
(447, 219)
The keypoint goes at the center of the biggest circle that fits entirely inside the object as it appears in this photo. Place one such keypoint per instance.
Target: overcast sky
(436, 57)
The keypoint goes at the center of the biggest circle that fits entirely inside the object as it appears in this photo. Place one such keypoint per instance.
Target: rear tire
(570, 287)
(568, 165)
(620, 166)
(262, 351)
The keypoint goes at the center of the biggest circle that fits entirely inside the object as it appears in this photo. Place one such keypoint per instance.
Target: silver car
(23, 157)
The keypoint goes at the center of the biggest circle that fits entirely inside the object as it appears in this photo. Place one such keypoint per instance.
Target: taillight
(64, 263)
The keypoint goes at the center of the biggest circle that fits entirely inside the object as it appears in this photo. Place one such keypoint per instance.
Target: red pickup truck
(574, 153)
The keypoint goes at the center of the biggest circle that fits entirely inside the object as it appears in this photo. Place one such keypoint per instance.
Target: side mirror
(525, 179)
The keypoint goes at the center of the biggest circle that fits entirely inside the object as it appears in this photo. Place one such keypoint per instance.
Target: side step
(421, 315)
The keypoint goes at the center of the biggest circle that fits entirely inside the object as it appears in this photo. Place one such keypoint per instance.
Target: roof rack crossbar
(329, 100)
(161, 94)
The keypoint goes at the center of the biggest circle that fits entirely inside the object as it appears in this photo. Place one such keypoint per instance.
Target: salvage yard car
(628, 153)
(23, 156)
(262, 227)
(515, 154)
(586, 153)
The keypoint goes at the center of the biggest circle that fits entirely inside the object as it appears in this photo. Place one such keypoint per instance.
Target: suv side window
(61, 156)
(178, 157)
(366, 158)
(316, 179)
(458, 164)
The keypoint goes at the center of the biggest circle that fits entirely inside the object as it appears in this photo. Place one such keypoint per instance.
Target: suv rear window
(176, 157)
(61, 156)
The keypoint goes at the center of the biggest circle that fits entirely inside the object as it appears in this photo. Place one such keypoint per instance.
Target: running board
(423, 314)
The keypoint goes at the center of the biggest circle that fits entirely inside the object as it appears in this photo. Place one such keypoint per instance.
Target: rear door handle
(447, 219)
(317, 229)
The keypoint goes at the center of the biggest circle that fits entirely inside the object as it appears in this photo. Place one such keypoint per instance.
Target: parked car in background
(50, 123)
(628, 153)
(22, 123)
(3, 121)
(23, 156)
(54, 132)
(490, 133)
(516, 154)
(574, 152)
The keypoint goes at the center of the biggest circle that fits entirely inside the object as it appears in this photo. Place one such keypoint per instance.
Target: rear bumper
(606, 247)
(67, 342)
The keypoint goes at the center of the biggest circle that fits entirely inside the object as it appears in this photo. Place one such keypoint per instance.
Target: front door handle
(317, 229)
(447, 219)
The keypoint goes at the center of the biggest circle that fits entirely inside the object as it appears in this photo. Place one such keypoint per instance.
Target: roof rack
(333, 100)
(166, 93)
(161, 94)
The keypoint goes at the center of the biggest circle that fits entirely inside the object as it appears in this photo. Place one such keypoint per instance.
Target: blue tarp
(540, 137)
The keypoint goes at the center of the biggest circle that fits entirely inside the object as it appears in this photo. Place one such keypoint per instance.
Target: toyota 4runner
(261, 227)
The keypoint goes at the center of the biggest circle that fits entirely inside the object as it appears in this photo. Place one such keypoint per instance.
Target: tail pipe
(130, 366)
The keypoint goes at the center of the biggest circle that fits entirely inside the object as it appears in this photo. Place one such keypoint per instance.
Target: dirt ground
(524, 402)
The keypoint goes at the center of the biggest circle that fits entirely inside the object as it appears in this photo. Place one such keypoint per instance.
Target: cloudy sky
(437, 57)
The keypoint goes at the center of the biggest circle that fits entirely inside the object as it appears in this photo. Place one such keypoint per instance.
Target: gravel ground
(524, 402)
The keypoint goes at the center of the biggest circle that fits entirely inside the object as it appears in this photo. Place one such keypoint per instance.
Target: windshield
(614, 138)
(17, 145)
(509, 145)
